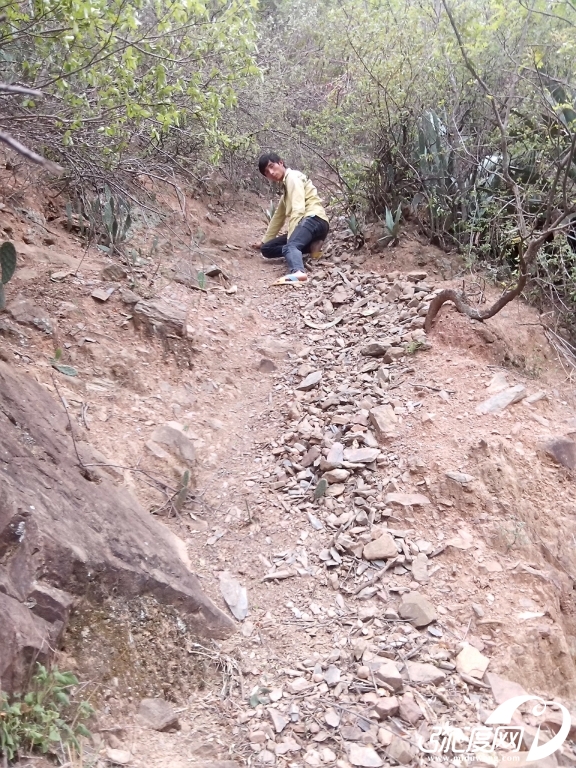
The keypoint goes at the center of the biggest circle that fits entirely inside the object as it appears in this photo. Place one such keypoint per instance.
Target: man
(307, 220)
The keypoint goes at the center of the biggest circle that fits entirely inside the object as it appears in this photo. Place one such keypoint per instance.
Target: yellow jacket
(300, 199)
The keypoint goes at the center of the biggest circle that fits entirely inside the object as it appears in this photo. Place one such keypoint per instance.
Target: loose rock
(361, 455)
(471, 662)
(312, 380)
(562, 450)
(118, 756)
(502, 400)
(367, 757)
(417, 609)
(420, 568)
(406, 499)
(173, 436)
(409, 709)
(381, 548)
(376, 349)
(279, 721)
(399, 750)
(235, 595)
(158, 714)
(385, 422)
(424, 674)
(25, 312)
(387, 672)
(387, 706)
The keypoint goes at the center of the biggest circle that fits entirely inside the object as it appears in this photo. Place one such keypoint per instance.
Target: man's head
(272, 166)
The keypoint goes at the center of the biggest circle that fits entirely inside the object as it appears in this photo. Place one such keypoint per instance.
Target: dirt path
(440, 528)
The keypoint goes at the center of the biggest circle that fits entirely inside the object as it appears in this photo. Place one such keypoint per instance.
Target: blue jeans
(311, 228)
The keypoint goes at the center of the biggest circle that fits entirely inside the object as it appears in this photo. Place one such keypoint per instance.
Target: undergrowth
(46, 719)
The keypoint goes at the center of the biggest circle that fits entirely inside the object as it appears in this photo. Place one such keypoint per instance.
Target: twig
(377, 576)
(83, 415)
(69, 420)
(434, 389)
(472, 681)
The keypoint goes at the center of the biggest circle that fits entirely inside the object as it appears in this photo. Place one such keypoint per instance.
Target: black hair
(268, 157)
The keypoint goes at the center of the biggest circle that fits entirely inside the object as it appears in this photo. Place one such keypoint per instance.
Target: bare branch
(4, 87)
(29, 154)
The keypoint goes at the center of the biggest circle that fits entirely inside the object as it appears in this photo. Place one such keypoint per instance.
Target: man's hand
(256, 246)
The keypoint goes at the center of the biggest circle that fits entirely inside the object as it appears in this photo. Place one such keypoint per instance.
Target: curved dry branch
(458, 299)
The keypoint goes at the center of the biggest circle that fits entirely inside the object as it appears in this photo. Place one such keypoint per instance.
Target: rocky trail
(388, 517)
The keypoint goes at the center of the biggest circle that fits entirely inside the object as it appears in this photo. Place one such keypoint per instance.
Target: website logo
(497, 734)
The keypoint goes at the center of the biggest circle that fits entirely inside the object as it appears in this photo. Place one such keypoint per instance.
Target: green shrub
(44, 719)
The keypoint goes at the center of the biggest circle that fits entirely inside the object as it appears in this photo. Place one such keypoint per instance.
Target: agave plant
(392, 223)
(356, 228)
(433, 151)
(270, 211)
(8, 266)
(115, 215)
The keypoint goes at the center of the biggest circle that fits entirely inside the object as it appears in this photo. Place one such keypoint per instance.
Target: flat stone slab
(361, 455)
(311, 381)
(502, 400)
(406, 499)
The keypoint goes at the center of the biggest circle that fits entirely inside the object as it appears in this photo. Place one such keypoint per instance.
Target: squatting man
(307, 219)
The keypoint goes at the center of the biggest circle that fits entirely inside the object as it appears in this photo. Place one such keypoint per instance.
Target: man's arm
(276, 222)
(297, 196)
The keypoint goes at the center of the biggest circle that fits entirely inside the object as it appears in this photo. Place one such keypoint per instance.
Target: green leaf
(67, 370)
(389, 220)
(62, 698)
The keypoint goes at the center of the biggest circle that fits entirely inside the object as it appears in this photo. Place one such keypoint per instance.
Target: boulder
(189, 274)
(113, 272)
(65, 537)
(24, 639)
